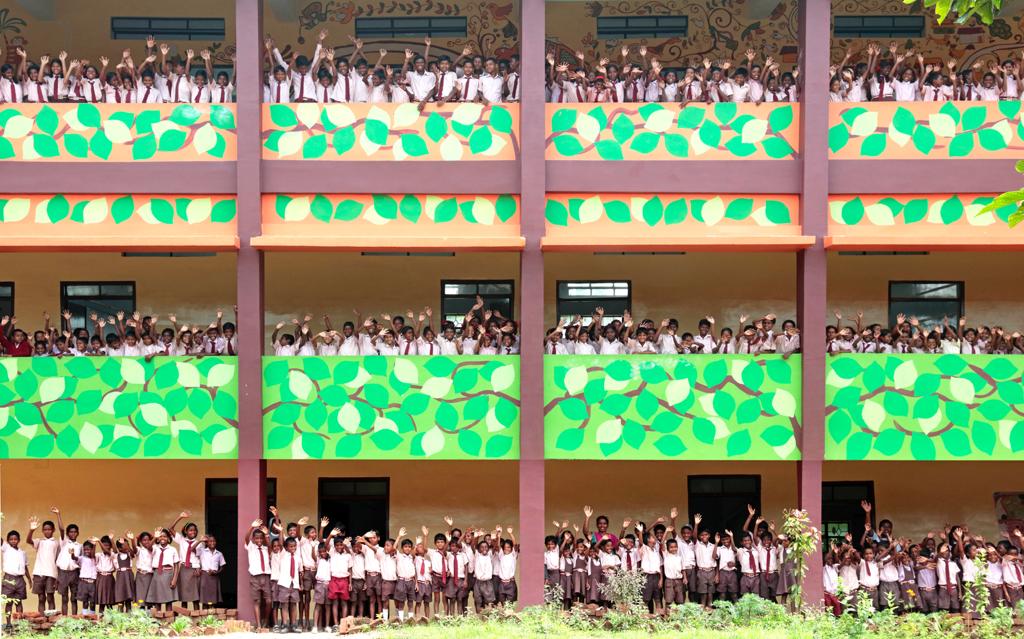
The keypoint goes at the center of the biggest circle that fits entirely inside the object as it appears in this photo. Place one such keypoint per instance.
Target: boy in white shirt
(288, 584)
(405, 573)
(15, 568)
(259, 566)
(212, 564)
(704, 552)
(44, 572)
(491, 83)
(483, 570)
(301, 71)
(67, 564)
(340, 575)
(507, 590)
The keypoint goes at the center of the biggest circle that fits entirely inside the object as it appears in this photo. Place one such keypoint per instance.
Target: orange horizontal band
(992, 242)
(378, 243)
(724, 244)
(162, 243)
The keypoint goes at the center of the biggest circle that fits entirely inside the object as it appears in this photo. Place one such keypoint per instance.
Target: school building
(546, 211)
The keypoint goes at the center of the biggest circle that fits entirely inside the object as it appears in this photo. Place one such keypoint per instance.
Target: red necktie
(160, 562)
(92, 89)
(561, 93)
(508, 350)
(188, 553)
(278, 93)
(455, 564)
(292, 574)
(579, 97)
(177, 88)
(867, 567)
(53, 91)
(881, 87)
(465, 89)
(440, 86)
(325, 96)
(199, 92)
(231, 349)
(1017, 568)
(935, 94)
(117, 96)
(753, 568)
(444, 570)
(553, 351)
(408, 345)
(145, 98)
(629, 560)
(768, 553)
(263, 564)
(515, 87)
(302, 87)
(423, 567)
(969, 88)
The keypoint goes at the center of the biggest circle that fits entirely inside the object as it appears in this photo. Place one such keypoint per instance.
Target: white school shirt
(388, 568)
(888, 571)
(88, 570)
(867, 574)
(447, 346)
(179, 88)
(399, 94)
(766, 559)
(160, 81)
(746, 559)
(507, 565)
(848, 577)
(344, 89)
(223, 94)
(881, 87)
(341, 564)
(512, 82)
(144, 560)
(993, 573)
(726, 556)
(490, 87)
(467, 88)
(349, 345)
(1012, 574)
(988, 94)
(940, 570)
(91, 89)
(614, 347)
(673, 564)
(303, 84)
(211, 560)
(289, 572)
(551, 559)
(737, 92)
(687, 552)
(635, 90)
(377, 94)
(855, 91)
(323, 570)
(941, 94)
(200, 94)
(308, 552)
(756, 90)
(652, 92)
(362, 89)
(555, 348)
(14, 559)
(650, 560)
(405, 566)
(279, 91)
(371, 558)
(905, 91)
(584, 348)
(147, 95)
(445, 83)
(692, 90)
(670, 92)
(64, 560)
(483, 566)
(324, 349)
(707, 342)
(285, 350)
(184, 549)
(116, 95)
(163, 556)
(406, 347)
(55, 89)
(834, 97)
(830, 578)
(255, 554)
(1012, 91)
(34, 91)
(703, 553)
(436, 560)
(426, 347)
(384, 349)
(131, 351)
(636, 348)
(422, 84)
(969, 571)
(46, 557)
(667, 343)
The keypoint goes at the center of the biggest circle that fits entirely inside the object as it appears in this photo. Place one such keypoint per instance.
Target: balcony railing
(666, 131)
(423, 407)
(119, 408)
(117, 132)
(386, 132)
(672, 407)
(925, 130)
(924, 407)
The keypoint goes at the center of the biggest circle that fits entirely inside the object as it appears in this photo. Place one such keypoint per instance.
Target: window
(878, 26)
(6, 298)
(103, 298)
(581, 298)
(167, 28)
(928, 301)
(841, 511)
(624, 27)
(383, 28)
(222, 522)
(355, 505)
(458, 296)
(722, 499)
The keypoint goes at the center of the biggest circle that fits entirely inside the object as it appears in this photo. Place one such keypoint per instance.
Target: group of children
(897, 78)
(628, 337)
(647, 81)
(329, 78)
(482, 333)
(117, 336)
(301, 577)
(941, 573)
(910, 336)
(102, 573)
(152, 81)
(680, 563)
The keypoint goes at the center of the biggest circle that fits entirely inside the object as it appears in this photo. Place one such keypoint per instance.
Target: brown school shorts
(705, 581)
(287, 595)
(387, 589)
(320, 592)
(67, 582)
(259, 587)
(405, 590)
(14, 587)
(424, 591)
(307, 579)
(675, 591)
(43, 585)
(373, 583)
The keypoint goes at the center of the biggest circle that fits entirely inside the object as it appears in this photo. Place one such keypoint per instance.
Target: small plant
(624, 589)
(804, 540)
(210, 621)
(181, 625)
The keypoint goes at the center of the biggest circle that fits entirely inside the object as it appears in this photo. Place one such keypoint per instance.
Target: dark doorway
(222, 523)
(722, 500)
(355, 504)
(841, 511)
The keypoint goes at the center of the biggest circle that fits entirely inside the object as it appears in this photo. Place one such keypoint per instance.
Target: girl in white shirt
(486, 346)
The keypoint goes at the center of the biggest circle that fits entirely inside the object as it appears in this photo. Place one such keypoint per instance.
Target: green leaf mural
(668, 406)
(953, 130)
(152, 210)
(667, 210)
(658, 132)
(924, 407)
(117, 132)
(436, 407)
(119, 408)
(382, 209)
(921, 210)
(390, 132)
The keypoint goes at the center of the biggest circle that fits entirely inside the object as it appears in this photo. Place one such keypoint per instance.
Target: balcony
(119, 408)
(659, 407)
(924, 407)
(391, 408)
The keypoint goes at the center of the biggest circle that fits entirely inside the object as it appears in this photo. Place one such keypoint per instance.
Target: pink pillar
(252, 469)
(531, 464)
(815, 30)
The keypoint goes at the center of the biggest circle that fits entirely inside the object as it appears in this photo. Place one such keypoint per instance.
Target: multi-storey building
(546, 210)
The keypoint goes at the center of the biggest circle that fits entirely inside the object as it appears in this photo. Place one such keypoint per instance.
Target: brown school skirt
(14, 587)
(105, 595)
(67, 583)
(188, 585)
(142, 582)
(160, 591)
(209, 588)
(124, 586)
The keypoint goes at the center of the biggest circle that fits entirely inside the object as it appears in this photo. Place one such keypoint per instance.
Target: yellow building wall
(192, 287)
(337, 283)
(992, 295)
(477, 494)
(646, 490)
(920, 497)
(686, 287)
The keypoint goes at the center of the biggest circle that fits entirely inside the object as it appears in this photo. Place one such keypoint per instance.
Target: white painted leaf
(736, 370)
(438, 387)
(71, 117)
(961, 389)
(308, 114)
(373, 217)
(467, 113)
(942, 125)
(199, 209)
(51, 389)
(609, 432)
(503, 377)
(180, 425)
(432, 442)
(975, 218)
(898, 137)
(348, 418)
(864, 124)
(300, 385)
(929, 424)
(879, 215)
(785, 450)
(835, 210)
(833, 379)
(575, 379)
(28, 432)
(132, 371)
(483, 211)
(368, 147)
(1002, 127)
(380, 115)
(90, 437)
(612, 384)
(117, 131)
(154, 414)
(289, 144)
(360, 379)
(905, 375)
(17, 127)
(406, 372)
(784, 403)
(95, 211)
(383, 423)
(874, 415)
(451, 149)
(587, 127)
(163, 126)
(591, 210)
(713, 211)
(188, 375)
(297, 209)
(696, 144)
(17, 209)
(406, 115)
(754, 130)
(661, 121)
(707, 404)
(493, 425)
(497, 144)
(107, 405)
(124, 430)
(398, 151)
(220, 375)
(677, 390)
(297, 451)
(205, 139)
(224, 442)
(1006, 427)
(340, 115)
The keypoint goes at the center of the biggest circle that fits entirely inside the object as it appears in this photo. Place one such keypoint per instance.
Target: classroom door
(722, 501)
(841, 511)
(355, 505)
(222, 523)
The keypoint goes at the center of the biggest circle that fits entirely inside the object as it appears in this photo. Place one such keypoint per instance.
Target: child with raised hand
(44, 580)
(300, 70)
(277, 87)
(223, 90)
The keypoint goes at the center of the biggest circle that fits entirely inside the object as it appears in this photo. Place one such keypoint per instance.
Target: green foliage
(624, 588)
(442, 407)
(670, 211)
(667, 406)
(384, 208)
(964, 10)
(119, 407)
(923, 407)
(687, 132)
(152, 210)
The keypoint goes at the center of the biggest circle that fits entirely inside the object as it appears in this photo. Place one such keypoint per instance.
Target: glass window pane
(78, 290)
(495, 288)
(6, 291)
(118, 289)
